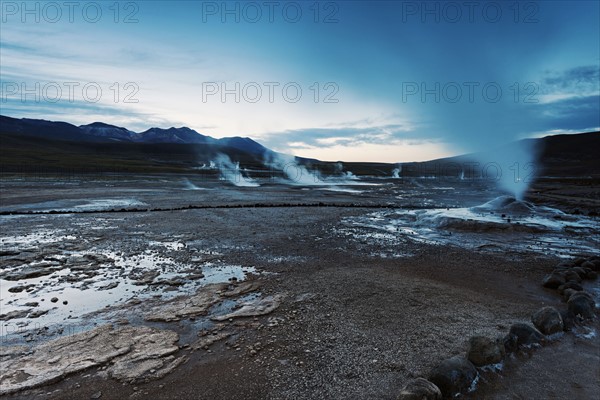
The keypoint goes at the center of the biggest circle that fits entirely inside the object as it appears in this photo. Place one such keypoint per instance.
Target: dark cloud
(571, 113)
(582, 78)
(344, 136)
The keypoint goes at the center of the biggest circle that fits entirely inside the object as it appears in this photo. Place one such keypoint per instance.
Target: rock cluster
(459, 374)
(567, 279)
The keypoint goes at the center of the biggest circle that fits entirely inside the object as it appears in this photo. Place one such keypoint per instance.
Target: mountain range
(99, 132)
(28, 145)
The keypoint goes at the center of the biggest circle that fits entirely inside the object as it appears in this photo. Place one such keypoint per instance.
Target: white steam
(230, 171)
(513, 167)
(294, 172)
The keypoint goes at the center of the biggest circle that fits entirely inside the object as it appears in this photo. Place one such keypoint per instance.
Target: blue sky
(396, 81)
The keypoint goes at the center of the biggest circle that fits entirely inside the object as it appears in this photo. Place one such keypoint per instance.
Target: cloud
(349, 135)
(581, 81)
(571, 113)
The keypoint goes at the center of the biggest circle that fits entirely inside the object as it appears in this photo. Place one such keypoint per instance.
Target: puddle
(498, 225)
(94, 279)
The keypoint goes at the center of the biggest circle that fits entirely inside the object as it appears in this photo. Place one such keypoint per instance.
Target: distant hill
(572, 155)
(39, 145)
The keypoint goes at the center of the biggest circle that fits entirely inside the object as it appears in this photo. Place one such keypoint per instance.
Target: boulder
(547, 320)
(572, 285)
(568, 293)
(591, 275)
(579, 260)
(454, 375)
(582, 304)
(594, 265)
(579, 271)
(572, 276)
(484, 351)
(526, 334)
(510, 343)
(568, 320)
(553, 281)
(420, 389)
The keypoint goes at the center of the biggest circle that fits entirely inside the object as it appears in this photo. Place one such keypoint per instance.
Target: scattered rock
(579, 271)
(484, 351)
(579, 261)
(260, 306)
(526, 334)
(19, 289)
(572, 276)
(54, 299)
(553, 281)
(187, 306)
(108, 286)
(568, 293)
(37, 313)
(32, 304)
(96, 395)
(14, 314)
(207, 340)
(420, 389)
(510, 342)
(242, 288)
(454, 375)
(547, 320)
(568, 320)
(9, 252)
(582, 304)
(143, 277)
(591, 265)
(31, 271)
(571, 285)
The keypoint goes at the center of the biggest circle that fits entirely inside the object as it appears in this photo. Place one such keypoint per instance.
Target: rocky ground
(312, 312)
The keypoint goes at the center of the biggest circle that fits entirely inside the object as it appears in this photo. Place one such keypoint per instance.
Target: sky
(385, 81)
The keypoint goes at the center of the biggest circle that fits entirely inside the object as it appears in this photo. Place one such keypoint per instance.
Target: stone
(129, 353)
(54, 299)
(591, 275)
(568, 293)
(579, 271)
(187, 306)
(582, 304)
(242, 288)
(553, 281)
(548, 320)
(572, 276)
(579, 261)
(31, 271)
(14, 314)
(420, 389)
(96, 395)
(37, 313)
(568, 320)
(256, 307)
(572, 285)
(594, 266)
(453, 376)
(510, 342)
(108, 286)
(484, 351)
(526, 334)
